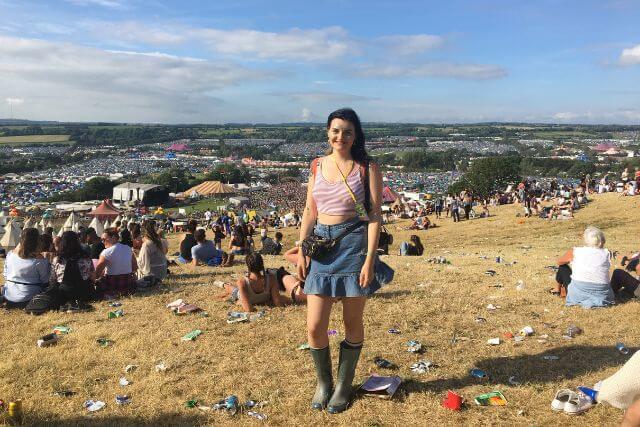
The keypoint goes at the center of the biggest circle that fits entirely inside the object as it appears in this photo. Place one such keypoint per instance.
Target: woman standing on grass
(342, 186)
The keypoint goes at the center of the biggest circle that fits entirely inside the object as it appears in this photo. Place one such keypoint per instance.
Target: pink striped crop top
(333, 198)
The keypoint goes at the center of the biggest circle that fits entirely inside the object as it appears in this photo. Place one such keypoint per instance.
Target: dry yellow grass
(260, 360)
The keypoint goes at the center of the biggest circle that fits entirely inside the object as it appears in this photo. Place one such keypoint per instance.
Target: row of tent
(13, 229)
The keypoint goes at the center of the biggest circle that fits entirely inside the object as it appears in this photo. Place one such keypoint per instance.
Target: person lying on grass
(256, 287)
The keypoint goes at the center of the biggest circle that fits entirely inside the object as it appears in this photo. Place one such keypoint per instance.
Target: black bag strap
(348, 230)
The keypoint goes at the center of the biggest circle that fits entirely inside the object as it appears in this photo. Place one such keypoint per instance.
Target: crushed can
(15, 409)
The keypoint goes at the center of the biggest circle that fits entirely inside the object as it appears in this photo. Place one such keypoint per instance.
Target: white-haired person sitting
(590, 266)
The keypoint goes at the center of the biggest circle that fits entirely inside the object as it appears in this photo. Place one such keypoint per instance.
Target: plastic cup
(453, 401)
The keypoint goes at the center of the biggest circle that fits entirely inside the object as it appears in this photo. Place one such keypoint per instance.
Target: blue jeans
(181, 260)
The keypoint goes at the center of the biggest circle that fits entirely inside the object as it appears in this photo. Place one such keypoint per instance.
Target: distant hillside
(23, 122)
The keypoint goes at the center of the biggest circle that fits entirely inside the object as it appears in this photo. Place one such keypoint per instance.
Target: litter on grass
(161, 367)
(240, 316)
(495, 398)
(622, 348)
(123, 399)
(94, 405)
(124, 382)
(414, 346)
(104, 342)
(423, 366)
(383, 363)
(478, 373)
(115, 314)
(61, 330)
(130, 368)
(304, 346)
(191, 336)
(379, 386)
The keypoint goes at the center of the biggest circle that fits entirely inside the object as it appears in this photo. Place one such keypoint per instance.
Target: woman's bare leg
(318, 312)
(352, 313)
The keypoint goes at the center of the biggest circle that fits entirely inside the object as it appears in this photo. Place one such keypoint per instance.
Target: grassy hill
(429, 302)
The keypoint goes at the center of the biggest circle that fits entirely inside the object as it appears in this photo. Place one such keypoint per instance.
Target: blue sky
(284, 61)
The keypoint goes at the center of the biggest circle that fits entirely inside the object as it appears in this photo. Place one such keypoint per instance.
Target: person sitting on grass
(152, 261)
(624, 282)
(271, 246)
(26, 271)
(116, 267)
(256, 287)
(238, 245)
(73, 273)
(589, 286)
(205, 252)
(188, 241)
(412, 248)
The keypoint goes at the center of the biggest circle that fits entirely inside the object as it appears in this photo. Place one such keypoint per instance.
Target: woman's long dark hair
(255, 263)
(358, 150)
(150, 233)
(418, 244)
(70, 247)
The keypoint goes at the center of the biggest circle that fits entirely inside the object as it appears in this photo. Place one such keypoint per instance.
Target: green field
(34, 139)
(200, 205)
(551, 134)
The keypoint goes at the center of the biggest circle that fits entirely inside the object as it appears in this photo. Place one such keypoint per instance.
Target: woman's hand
(366, 274)
(301, 265)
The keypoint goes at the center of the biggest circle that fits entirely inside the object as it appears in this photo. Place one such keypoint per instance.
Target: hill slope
(428, 302)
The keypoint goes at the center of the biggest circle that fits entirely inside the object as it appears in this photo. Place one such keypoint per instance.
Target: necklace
(340, 169)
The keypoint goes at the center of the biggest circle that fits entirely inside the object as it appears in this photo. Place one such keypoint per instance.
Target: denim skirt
(337, 273)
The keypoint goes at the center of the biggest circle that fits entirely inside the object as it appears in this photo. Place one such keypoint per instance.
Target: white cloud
(136, 33)
(566, 116)
(411, 44)
(432, 69)
(318, 96)
(296, 44)
(630, 56)
(306, 114)
(112, 4)
(73, 82)
(14, 101)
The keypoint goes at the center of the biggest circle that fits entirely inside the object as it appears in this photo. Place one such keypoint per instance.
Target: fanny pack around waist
(315, 246)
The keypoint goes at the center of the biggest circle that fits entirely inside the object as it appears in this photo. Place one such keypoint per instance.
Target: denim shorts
(337, 273)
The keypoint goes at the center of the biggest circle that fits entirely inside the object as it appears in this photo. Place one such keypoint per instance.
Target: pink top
(333, 198)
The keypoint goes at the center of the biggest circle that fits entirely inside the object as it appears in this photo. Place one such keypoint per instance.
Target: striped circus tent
(208, 188)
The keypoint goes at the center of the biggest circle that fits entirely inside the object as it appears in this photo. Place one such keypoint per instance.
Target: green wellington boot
(341, 398)
(322, 361)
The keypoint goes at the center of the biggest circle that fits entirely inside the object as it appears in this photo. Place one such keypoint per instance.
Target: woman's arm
(309, 216)
(101, 265)
(243, 295)
(275, 292)
(375, 220)
(566, 258)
